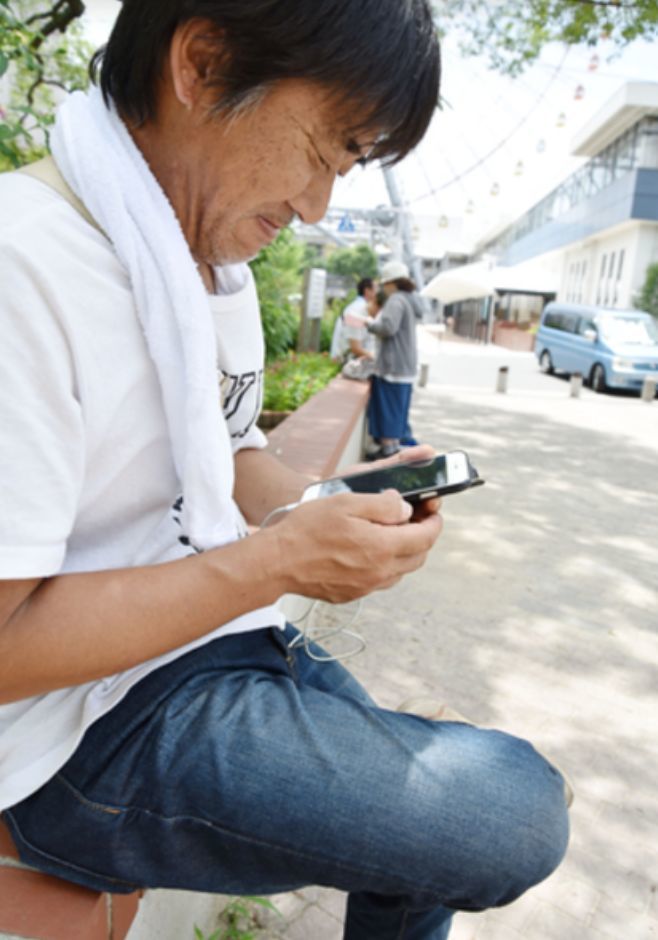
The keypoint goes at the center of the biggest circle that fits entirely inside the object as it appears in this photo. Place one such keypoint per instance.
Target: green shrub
(293, 380)
(648, 297)
(278, 274)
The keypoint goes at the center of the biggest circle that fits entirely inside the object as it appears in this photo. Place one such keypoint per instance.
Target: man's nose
(311, 204)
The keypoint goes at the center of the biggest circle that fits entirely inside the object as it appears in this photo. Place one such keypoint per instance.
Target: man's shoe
(386, 450)
(434, 710)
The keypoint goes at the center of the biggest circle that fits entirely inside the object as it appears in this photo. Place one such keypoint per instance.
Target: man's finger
(386, 508)
(418, 538)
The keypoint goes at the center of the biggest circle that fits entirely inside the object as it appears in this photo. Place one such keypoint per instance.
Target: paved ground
(537, 613)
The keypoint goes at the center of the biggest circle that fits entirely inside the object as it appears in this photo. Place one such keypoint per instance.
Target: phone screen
(436, 474)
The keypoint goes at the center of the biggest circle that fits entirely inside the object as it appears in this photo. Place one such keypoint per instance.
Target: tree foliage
(512, 34)
(278, 271)
(648, 296)
(41, 51)
(354, 263)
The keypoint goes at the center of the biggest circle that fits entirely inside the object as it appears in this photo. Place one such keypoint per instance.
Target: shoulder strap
(47, 172)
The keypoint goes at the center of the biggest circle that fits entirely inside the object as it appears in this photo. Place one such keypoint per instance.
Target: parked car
(610, 348)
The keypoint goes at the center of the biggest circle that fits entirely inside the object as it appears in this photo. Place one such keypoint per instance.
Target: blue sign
(346, 224)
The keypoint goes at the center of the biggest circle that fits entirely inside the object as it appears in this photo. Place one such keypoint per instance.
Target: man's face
(235, 181)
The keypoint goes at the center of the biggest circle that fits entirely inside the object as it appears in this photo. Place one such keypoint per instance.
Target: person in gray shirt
(396, 361)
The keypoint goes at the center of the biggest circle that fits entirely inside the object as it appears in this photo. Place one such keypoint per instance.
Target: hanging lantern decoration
(495, 189)
(444, 222)
(593, 63)
(470, 207)
(579, 93)
(518, 169)
(561, 120)
(541, 145)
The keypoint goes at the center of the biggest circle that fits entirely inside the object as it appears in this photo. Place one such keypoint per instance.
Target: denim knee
(525, 829)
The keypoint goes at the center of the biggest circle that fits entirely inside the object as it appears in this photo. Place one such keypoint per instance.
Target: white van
(610, 348)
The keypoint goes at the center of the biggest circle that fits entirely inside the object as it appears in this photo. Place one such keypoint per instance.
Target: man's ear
(194, 55)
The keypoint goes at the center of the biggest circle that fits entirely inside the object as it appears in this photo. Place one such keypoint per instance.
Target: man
(159, 729)
(350, 336)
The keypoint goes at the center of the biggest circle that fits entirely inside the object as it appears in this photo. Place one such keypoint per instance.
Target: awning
(467, 282)
(481, 279)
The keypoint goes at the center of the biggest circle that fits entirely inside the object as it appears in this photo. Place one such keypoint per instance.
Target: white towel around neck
(99, 160)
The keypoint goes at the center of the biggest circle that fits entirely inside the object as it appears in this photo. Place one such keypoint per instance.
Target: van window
(636, 331)
(560, 321)
(586, 323)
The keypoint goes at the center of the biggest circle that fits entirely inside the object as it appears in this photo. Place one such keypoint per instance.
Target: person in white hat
(396, 362)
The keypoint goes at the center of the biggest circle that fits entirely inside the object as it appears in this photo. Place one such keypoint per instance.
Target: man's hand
(343, 547)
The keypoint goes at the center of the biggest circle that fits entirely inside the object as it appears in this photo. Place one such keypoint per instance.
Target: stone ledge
(316, 438)
(34, 906)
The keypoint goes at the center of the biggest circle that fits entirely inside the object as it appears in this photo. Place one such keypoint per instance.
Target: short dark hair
(405, 284)
(382, 55)
(363, 285)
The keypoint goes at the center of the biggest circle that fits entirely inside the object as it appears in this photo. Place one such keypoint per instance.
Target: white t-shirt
(355, 317)
(87, 476)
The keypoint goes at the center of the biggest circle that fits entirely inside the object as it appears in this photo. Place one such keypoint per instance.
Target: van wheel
(597, 378)
(546, 363)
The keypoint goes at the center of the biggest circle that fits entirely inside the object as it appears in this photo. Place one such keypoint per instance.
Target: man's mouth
(270, 228)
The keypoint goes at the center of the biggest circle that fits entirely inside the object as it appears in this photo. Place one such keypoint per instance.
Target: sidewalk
(537, 613)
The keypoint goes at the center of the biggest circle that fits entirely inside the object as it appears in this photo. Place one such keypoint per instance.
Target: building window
(581, 284)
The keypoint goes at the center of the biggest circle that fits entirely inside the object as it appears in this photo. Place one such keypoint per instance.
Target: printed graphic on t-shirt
(242, 396)
(177, 511)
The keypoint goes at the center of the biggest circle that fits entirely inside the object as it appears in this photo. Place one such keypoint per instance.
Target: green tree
(278, 271)
(354, 263)
(41, 50)
(648, 297)
(512, 34)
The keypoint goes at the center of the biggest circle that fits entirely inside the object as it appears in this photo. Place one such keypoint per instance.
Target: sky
(495, 149)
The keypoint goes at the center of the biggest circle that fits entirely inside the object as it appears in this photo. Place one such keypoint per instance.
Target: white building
(598, 230)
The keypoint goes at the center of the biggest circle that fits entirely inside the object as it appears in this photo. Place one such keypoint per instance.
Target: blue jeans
(244, 767)
(388, 409)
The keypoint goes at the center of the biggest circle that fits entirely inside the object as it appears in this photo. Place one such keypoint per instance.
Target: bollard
(424, 373)
(501, 384)
(576, 384)
(648, 388)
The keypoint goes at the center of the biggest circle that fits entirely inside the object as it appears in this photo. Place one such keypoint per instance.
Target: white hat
(393, 270)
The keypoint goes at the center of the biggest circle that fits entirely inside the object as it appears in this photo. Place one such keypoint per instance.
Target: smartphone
(415, 480)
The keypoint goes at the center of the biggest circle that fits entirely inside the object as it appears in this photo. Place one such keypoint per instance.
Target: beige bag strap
(46, 170)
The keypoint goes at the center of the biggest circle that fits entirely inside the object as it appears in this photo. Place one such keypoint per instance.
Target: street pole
(404, 228)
